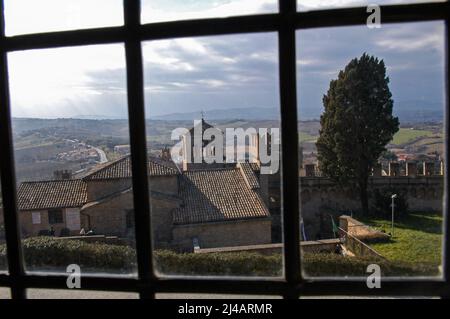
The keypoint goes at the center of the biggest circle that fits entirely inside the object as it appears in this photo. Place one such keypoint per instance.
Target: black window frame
(285, 22)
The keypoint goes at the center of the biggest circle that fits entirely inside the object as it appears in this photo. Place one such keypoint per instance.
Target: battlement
(395, 169)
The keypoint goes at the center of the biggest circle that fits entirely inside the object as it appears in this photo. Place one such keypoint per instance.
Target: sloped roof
(217, 195)
(52, 194)
(122, 169)
(249, 175)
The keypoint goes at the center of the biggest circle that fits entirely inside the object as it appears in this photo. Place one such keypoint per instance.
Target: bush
(338, 265)
(245, 264)
(65, 232)
(48, 253)
(236, 264)
(383, 201)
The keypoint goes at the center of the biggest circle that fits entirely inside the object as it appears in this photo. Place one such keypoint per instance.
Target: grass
(405, 135)
(305, 137)
(417, 238)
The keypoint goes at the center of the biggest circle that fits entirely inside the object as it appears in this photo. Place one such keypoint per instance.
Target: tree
(357, 124)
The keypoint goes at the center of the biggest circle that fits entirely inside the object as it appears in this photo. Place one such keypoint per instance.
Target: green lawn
(305, 137)
(417, 238)
(405, 135)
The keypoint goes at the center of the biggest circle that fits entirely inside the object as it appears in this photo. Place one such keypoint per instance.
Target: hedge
(47, 252)
(42, 252)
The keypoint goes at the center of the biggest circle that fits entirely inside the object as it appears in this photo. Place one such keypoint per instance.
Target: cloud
(31, 16)
(171, 10)
(235, 69)
(413, 54)
(190, 74)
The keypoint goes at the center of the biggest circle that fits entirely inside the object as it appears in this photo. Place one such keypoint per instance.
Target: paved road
(102, 154)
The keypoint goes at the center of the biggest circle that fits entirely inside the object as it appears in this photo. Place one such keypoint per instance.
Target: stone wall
(164, 184)
(29, 229)
(320, 196)
(108, 217)
(317, 246)
(361, 231)
(98, 189)
(222, 234)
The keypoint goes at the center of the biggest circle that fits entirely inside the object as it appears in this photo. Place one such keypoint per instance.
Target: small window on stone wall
(55, 216)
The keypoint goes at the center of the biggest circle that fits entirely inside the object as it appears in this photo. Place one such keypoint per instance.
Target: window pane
(173, 10)
(214, 214)
(74, 188)
(306, 5)
(371, 105)
(29, 16)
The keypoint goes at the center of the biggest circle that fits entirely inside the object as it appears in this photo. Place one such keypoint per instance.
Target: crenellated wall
(319, 196)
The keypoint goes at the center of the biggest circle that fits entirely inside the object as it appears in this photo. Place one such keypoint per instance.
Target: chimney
(394, 169)
(165, 154)
(411, 169)
(62, 174)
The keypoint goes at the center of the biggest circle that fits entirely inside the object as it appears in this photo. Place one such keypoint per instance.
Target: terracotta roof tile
(217, 195)
(122, 169)
(52, 194)
(249, 175)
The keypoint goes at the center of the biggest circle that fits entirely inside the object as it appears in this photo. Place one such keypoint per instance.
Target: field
(405, 135)
(305, 137)
(417, 238)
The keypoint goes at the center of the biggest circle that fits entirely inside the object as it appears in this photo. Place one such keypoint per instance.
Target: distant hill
(249, 113)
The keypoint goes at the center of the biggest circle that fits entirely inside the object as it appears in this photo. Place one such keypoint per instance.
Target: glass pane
(78, 294)
(30, 16)
(371, 105)
(173, 10)
(306, 5)
(215, 190)
(74, 188)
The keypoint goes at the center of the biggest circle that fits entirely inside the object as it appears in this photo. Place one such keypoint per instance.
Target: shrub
(322, 264)
(45, 252)
(254, 264)
(65, 232)
(383, 201)
(42, 252)
(338, 265)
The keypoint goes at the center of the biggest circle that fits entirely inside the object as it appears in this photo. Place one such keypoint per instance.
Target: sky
(207, 73)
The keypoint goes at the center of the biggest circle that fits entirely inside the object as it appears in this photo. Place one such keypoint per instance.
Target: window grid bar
(289, 147)
(232, 25)
(310, 287)
(446, 241)
(12, 234)
(138, 145)
(147, 284)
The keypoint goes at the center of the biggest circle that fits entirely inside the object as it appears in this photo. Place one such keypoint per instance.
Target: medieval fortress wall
(321, 197)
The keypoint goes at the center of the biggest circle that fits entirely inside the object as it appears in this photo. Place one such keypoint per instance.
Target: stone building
(209, 207)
